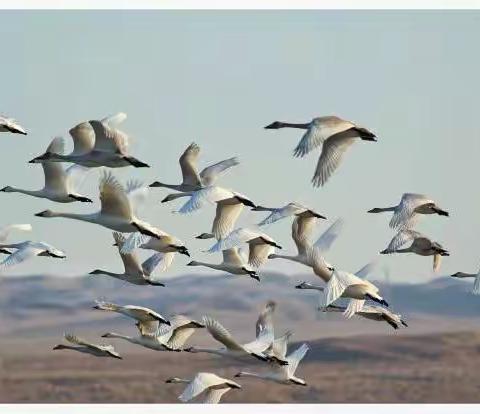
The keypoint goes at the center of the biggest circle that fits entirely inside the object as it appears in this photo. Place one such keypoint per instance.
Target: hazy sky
(217, 78)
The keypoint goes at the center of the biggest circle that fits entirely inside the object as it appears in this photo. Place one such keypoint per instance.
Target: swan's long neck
(286, 257)
(313, 287)
(281, 124)
(33, 193)
(459, 274)
(250, 374)
(125, 337)
(382, 209)
(210, 265)
(91, 218)
(107, 273)
(175, 187)
(207, 350)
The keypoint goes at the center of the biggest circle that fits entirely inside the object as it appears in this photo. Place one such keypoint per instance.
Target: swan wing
(282, 212)
(188, 164)
(113, 198)
(354, 306)
(130, 260)
(295, 357)
(400, 239)
(133, 241)
(232, 257)
(367, 269)
(211, 173)
(6, 230)
(476, 285)
(27, 251)
(302, 228)
(83, 138)
(236, 237)
(328, 237)
(201, 382)
(161, 260)
(333, 150)
(108, 139)
(213, 396)
(226, 216)
(337, 284)
(221, 334)
(404, 215)
(258, 254)
(55, 176)
(137, 193)
(115, 119)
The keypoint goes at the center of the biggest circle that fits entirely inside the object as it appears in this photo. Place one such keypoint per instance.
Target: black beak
(155, 184)
(404, 323)
(273, 125)
(441, 212)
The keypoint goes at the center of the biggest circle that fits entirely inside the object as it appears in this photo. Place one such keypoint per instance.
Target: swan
(278, 349)
(232, 263)
(26, 250)
(134, 272)
(227, 213)
(475, 276)
(144, 315)
(166, 338)
(335, 134)
(60, 183)
(284, 374)
(421, 245)
(97, 143)
(302, 228)
(348, 285)
(86, 347)
(374, 313)
(6, 230)
(116, 212)
(10, 125)
(411, 207)
(235, 350)
(214, 386)
(211, 195)
(291, 209)
(192, 180)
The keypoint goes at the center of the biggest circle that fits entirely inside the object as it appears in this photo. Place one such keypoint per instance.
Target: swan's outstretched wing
(400, 239)
(207, 195)
(55, 177)
(437, 261)
(213, 396)
(133, 241)
(283, 212)
(161, 260)
(232, 256)
(333, 150)
(130, 260)
(211, 173)
(76, 175)
(108, 139)
(27, 251)
(201, 382)
(258, 254)
(226, 216)
(354, 306)
(221, 334)
(319, 131)
(188, 164)
(6, 230)
(295, 357)
(137, 193)
(83, 138)
(337, 284)
(367, 269)
(113, 198)
(280, 345)
(404, 216)
(115, 119)
(476, 285)
(235, 238)
(328, 237)
(302, 229)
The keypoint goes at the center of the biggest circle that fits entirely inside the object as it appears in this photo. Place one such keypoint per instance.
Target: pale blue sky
(218, 78)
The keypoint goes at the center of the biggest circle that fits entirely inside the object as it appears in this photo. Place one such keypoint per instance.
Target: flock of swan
(100, 143)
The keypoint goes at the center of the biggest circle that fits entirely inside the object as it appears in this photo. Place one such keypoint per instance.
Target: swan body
(334, 134)
(11, 125)
(134, 273)
(284, 374)
(212, 385)
(410, 209)
(138, 313)
(116, 212)
(60, 184)
(26, 250)
(475, 276)
(192, 180)
(87, 347)
(97, 144)
(291, 209)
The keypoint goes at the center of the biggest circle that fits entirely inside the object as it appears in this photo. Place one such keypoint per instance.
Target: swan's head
(298, 381)
(245, 201)
(7, 189)
(57, 254)
(205, 236)
(240, 374)
(169, 197)
(272, 256)
(180, 249)
(191, 349)
(437, 210)
(156, 184)
(41, 158)
(375, 210)
(60, 346)
(96, 272)
(303, 285)
(193, 263)
(460, 275)
(108, 335)
(274, 125)
(252, 273)
(45, 213)
(174, 380)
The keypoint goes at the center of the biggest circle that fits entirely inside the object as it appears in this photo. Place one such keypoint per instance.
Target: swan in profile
(60, 183)
(235, 350)
(214, 386)
(408, 211)
(96, 144)
(134, 272)
(284, 374)
(348, 285)
(116, 213)
(335, 135)
(26, 250)
(86, 347)
(144, 315)
(374, 313)
(475, 276)
(232, 263)
(192, 179)
(291, 209)
(420, 244)
(10, 125)
(165, 338)
(211, 195)
(227, 213)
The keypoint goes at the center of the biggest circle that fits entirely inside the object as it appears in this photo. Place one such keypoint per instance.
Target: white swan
(11, 125)
(283, 374)
(116, 213)
(335, 134)
(421, 245)
(214, 386)
(139, 313)
(60, 184)
(211, 195)
(166, 338)
(232, 263)
(374, 313)
(348, 285)
(133, 272)
(97, 144)
(475, 276)
(26, 250)
(192, 179)
(6, 230)
(291, 209)
(410, 208)
(235, 350)
(86, 347)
